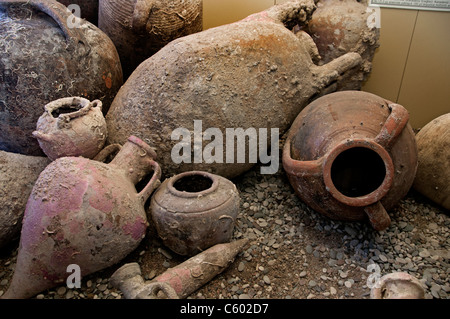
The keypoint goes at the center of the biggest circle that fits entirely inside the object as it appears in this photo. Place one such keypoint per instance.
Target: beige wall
(411, 67)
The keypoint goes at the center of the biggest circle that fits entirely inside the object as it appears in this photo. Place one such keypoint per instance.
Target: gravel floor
(295, 252)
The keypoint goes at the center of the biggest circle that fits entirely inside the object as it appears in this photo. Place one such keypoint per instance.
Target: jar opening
(193, 183)
(66, 109)
(358, 172)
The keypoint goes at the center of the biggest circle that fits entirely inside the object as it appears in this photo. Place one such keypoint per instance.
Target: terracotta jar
(88, 9)
(195, 210)
(18, 173)
(72, 126)
(256, 74)
(83, 212)
(351, 155)
(342, 26)
(42, 59)
(139, 28)
(433, 173)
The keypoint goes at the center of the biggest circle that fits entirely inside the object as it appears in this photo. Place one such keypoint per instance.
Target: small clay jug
(195, 210)
(88, 9)
(18, 173)
(72, 126)
(351, 155)
(433, 173)
(83, 212)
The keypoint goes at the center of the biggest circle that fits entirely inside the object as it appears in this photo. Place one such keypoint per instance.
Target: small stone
(102, 287)
(166, 264)
(244, 296)
(312, 283)
(348, 284)
(266, 280)
(61, 291)
(302, 274)
(333, 290)
(241, 266)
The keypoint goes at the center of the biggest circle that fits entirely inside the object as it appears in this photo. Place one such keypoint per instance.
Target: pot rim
(80, 103)
(147, 148)
(374, 196)
(184, 194)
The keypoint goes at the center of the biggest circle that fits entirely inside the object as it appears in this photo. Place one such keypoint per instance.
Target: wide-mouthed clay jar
(351, 155)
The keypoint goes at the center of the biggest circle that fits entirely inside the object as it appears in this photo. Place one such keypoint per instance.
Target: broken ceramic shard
(398, 285)
(83, 212)
(252, 74)
(342, 26)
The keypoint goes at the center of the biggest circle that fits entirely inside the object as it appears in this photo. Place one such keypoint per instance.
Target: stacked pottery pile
(257, 74)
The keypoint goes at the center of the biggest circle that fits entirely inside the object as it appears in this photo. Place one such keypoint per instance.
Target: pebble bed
(295, 252)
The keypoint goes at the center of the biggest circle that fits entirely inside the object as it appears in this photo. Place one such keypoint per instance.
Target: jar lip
(367, 199)
(147, 148)
(79, 102)
(184, 194)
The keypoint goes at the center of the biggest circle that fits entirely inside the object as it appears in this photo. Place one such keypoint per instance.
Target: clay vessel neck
(136, 158)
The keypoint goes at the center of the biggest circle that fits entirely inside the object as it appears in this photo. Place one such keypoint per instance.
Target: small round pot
(72, 126)
(195, 210)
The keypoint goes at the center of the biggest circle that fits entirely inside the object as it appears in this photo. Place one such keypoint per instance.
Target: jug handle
(378, 217)
(394, 125)
(300, 168)
(153, 183)
(60, 14)
(108, 150)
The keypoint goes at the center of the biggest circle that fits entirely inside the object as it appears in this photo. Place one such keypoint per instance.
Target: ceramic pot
(139, 28)
(351, 155)
(83, 212)
(433, 172)
(342, 26)
(42, 59)
(72, 126)
(195, 210)
(18, 173)
(256, 74)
